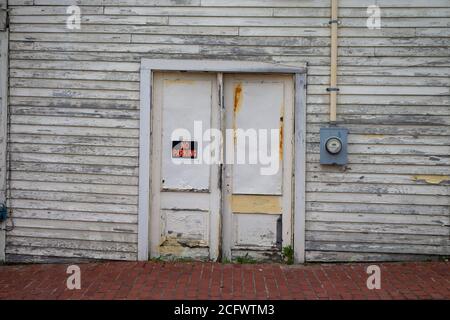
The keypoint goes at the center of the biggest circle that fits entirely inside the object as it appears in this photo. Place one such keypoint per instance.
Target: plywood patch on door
(256, 204)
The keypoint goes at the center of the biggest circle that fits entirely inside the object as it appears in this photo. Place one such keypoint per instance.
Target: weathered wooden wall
(74, 102)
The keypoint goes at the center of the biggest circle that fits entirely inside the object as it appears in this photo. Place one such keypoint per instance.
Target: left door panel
(185, 194)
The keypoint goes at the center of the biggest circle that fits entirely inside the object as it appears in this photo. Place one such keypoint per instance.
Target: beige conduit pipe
(334, 54)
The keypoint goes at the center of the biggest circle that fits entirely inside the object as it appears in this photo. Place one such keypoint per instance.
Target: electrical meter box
(333, 145)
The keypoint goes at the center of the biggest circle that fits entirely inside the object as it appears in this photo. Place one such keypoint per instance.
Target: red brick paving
(195, 280)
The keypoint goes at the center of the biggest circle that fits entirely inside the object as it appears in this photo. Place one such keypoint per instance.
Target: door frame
(148, 67)
(4, 81)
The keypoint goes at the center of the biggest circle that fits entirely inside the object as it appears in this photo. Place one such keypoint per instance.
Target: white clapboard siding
(74, 103)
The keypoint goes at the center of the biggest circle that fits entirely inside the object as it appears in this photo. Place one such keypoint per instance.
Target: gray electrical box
(333, 145)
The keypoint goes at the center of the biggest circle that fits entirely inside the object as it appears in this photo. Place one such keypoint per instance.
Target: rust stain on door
(236, 107)
(280, 147)
(237, 98)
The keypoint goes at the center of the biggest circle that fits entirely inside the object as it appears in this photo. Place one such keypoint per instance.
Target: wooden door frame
(4, 37)
(148, 67)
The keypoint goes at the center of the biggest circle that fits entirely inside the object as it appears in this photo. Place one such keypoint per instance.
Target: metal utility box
(333, 145)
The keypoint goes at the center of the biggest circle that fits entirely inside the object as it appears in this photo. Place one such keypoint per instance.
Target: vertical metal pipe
(334, 56)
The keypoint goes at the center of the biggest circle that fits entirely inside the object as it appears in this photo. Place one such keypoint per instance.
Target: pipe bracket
(335, 21)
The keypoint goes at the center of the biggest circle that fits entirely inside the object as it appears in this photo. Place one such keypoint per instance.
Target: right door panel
(257, 205)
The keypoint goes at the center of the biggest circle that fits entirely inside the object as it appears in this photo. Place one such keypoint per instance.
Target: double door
(221, 165)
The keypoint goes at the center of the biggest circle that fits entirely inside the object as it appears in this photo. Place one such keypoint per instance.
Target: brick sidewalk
(192, 280)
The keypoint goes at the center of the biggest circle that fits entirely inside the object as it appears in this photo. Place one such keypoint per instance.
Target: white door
(242, 206)
(258, 189)
(185, 193)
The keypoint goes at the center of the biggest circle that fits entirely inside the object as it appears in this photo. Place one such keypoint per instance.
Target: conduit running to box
(333, 89)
